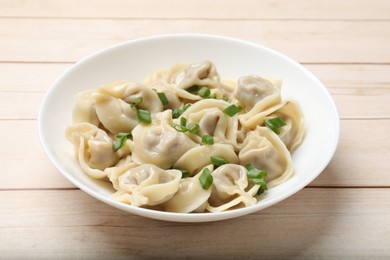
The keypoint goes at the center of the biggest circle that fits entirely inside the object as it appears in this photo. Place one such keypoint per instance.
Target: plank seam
(195, 18)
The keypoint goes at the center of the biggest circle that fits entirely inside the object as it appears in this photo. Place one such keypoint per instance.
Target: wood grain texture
(314, 41)
(211, 9)
(312, 223)
(342, 214)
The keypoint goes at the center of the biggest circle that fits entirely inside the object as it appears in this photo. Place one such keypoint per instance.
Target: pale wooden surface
(344, 213)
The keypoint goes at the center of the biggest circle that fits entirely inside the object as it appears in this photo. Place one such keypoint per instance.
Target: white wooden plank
(314, 223)
(30, 77)
(211, 9)
(362, 155)
(24, 163)
(306, 41)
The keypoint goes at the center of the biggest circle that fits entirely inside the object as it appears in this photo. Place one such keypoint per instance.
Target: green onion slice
(186, 106)
(121, 140)
(257, 177)
(180, 128)
(204, 92)
(163, 98)
(263, 187)
(208, 139)
(176, 113)
(218, 161)
(256, 174)
(183, 121)
(232, 110)
(206, 179)
(125, 135)
(192, 89)
(249, 167)
(184, 173)
(136, 102)
(275, 124)
(193, 127)
(144, 116)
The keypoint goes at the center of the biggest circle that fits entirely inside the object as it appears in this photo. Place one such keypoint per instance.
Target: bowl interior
(233, 58)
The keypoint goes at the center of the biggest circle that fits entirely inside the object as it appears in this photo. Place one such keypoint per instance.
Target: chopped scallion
(275, 124)
(121, 140)
(208, 139)
(257, 177)
(193, 127)
(180, 128)
(136, 102)
(256, 174)
(263, 187)
(249, 167)
(206, 179)
(218, 161)
(144, 116)
(232, 110)
(176, 113)
(184, 174)
(204, 92)
(163, 98)
(126, 135)
(192, 89)
(186, 106)
(183, 121)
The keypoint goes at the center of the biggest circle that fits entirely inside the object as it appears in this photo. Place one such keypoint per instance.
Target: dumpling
(190, 197)
(174, 101)
(256, 94)
(208, 113)
(148, 185)
(231, 189)
(84, 110)
(159, 143)
(93, 148)
(252, 89)
(181, 77)
(289, 111)
(228, 87)
(196, 74)
(116, 115)
(265, 151)
(197, 158)
(118, 169)
(129, 91)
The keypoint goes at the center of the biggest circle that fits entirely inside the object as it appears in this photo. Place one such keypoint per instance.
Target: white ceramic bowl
(133, 60)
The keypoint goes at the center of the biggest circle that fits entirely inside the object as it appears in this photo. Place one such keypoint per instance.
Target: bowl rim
(172, 216)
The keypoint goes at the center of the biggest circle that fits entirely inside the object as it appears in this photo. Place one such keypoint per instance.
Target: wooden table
(343, 213)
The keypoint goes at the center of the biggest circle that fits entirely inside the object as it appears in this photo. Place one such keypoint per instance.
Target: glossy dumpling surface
(159, 143)
(93, 148)
(265, 151)
(231, 188)
(190, 196)
(148, 185)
